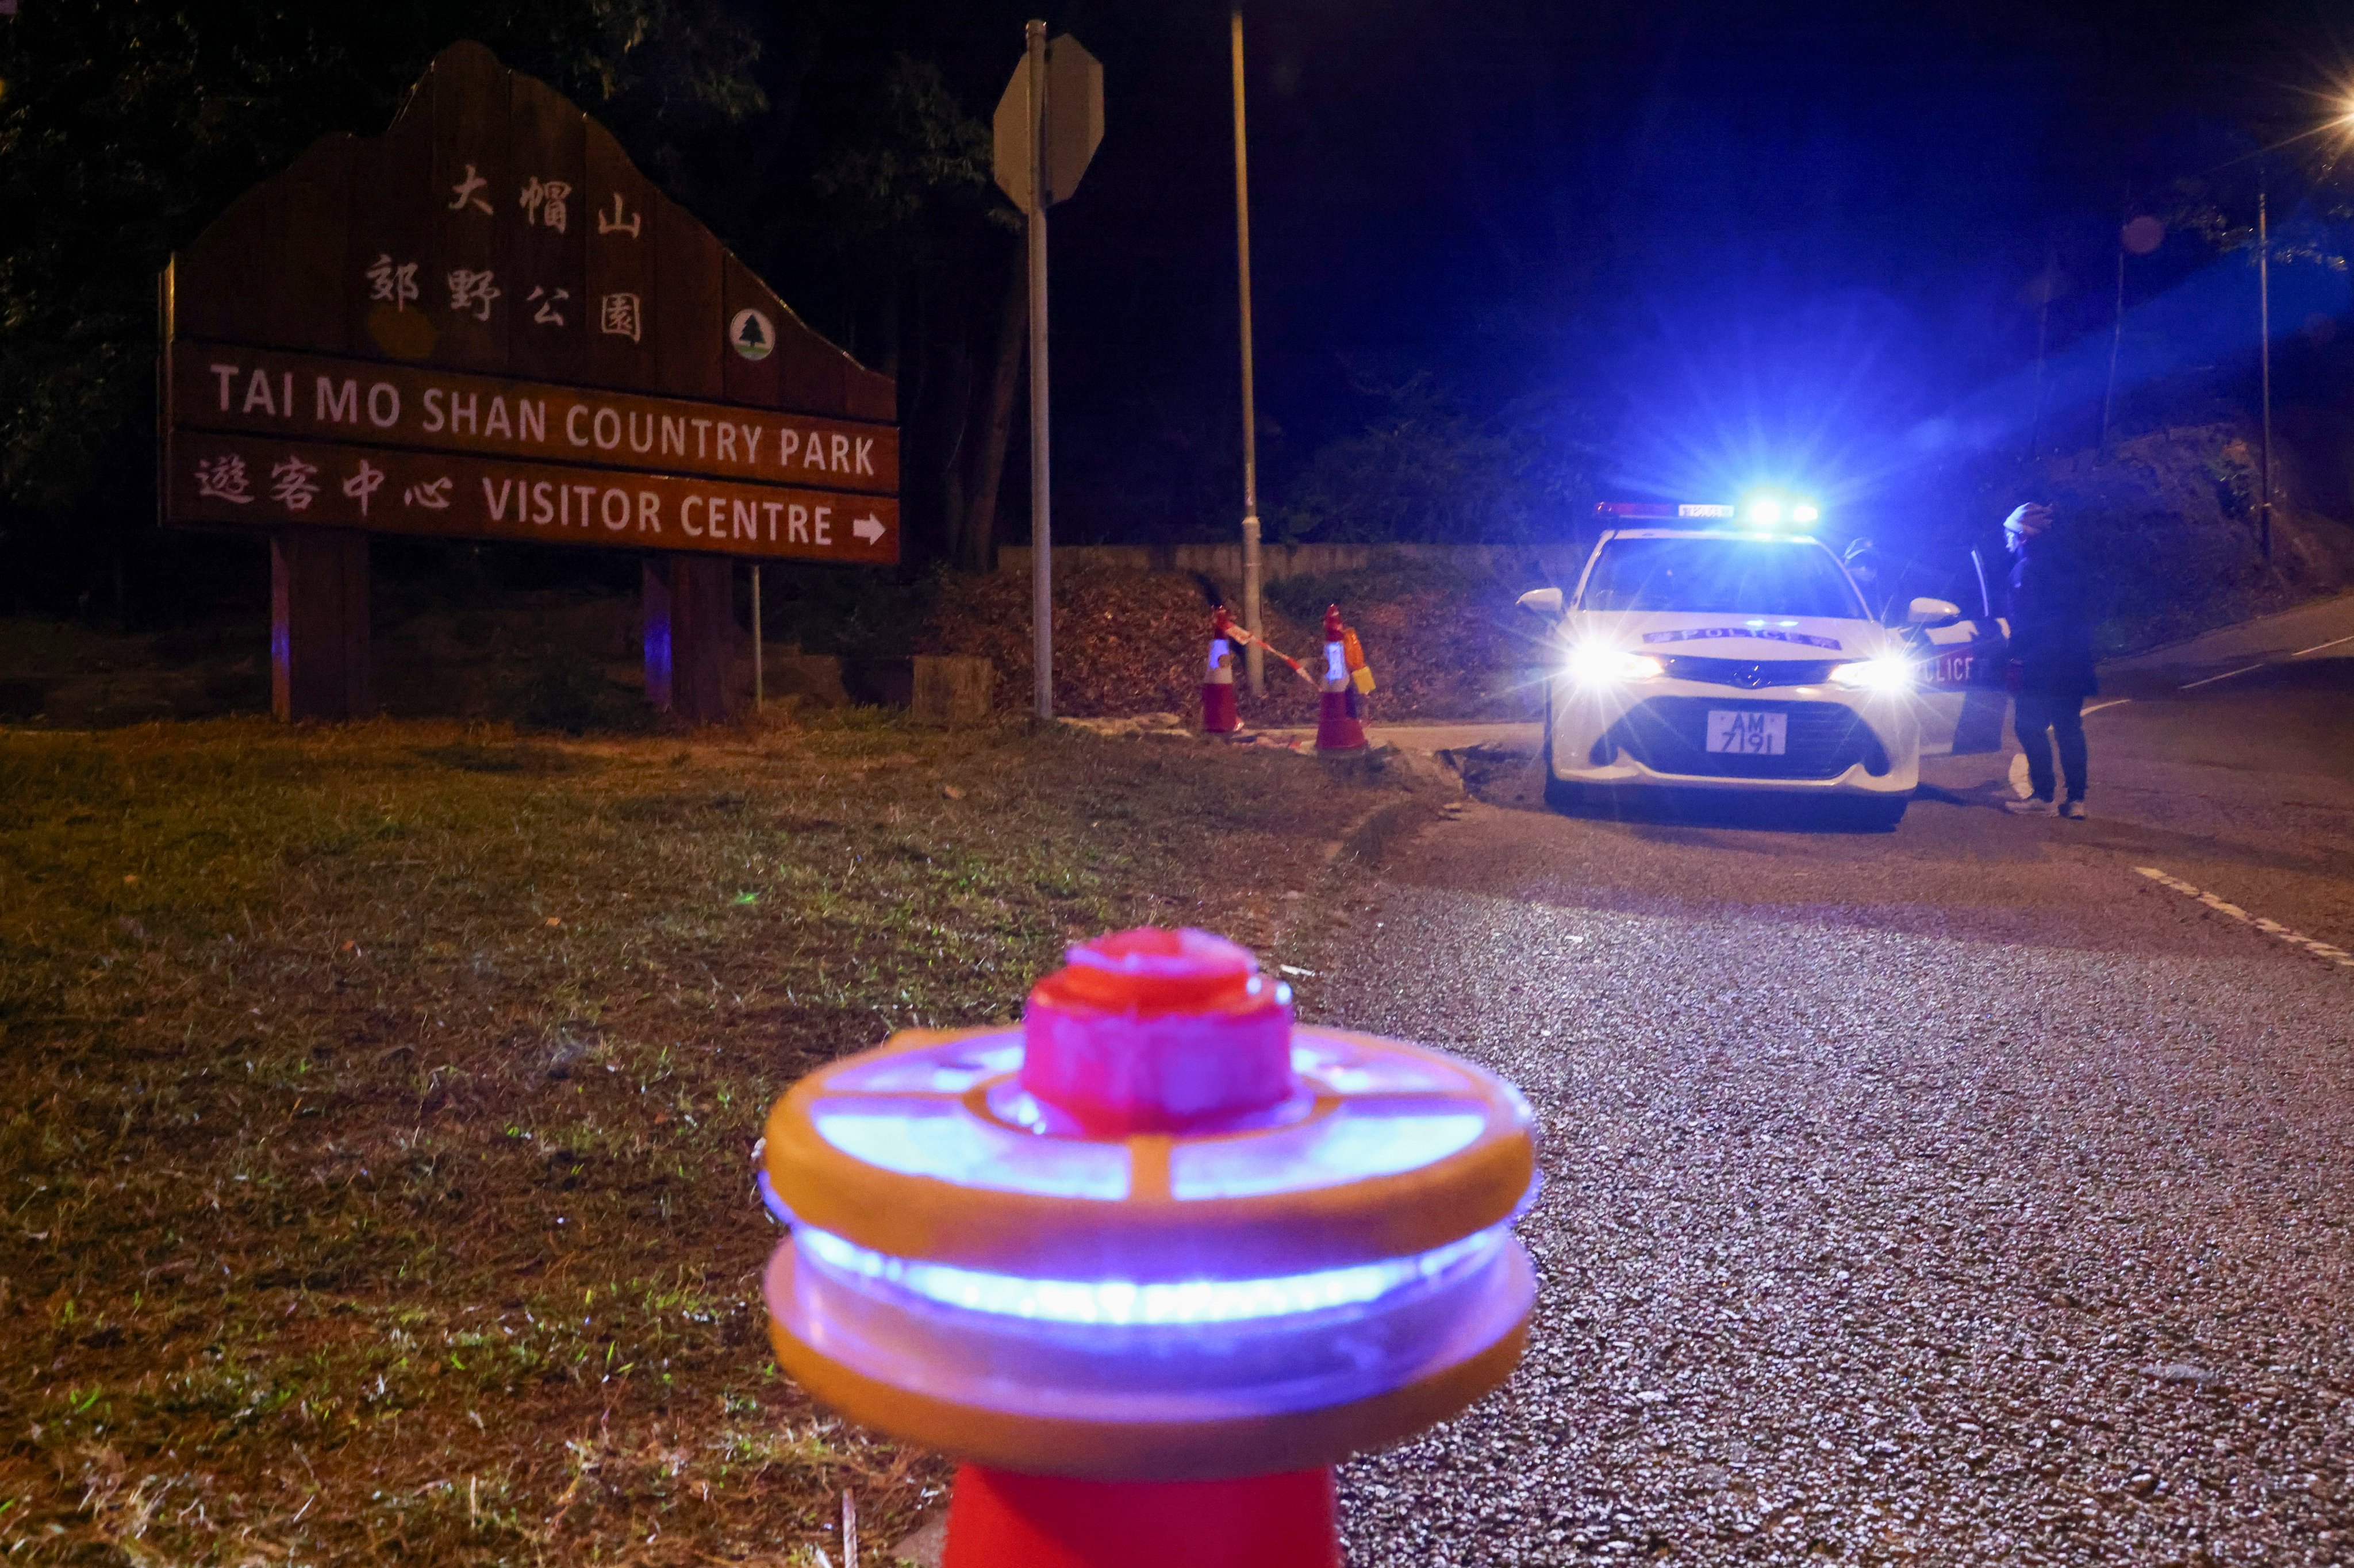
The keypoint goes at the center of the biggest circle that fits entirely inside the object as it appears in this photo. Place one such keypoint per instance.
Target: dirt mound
(2172, 516)
(1441, 646)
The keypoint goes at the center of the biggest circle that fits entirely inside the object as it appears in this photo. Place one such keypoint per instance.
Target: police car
(1696, 653)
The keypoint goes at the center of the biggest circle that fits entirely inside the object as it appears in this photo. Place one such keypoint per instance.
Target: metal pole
(2117, 339)
(759, 689)
(1253, 661)
(1041, 528)
(2042, 337)
(2265, 328)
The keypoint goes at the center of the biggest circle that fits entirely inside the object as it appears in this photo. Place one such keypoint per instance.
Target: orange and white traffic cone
(1337, 728)
(1218, 714)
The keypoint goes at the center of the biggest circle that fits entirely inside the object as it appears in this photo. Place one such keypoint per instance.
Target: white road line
(2336, 955)
(2247, 669)
(2112, 703)
(2224, 676)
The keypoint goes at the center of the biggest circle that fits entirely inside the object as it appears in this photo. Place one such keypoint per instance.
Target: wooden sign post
(487, 324)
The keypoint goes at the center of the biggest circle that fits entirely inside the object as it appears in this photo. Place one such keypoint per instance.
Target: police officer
(2051, 672)
(1864, 564)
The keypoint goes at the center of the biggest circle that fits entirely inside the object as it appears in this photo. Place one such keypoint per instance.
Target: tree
(907, 191)
(844, 170)
(1422, 469)
(126, 128)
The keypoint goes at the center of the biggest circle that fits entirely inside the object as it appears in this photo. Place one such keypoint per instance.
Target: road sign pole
(2264, 348)
(1253, 661)
(1041, 138)
(759, 684)
(1042, 527)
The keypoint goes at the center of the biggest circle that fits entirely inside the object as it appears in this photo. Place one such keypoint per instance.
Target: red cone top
(1152, 1030)
(1332, 627)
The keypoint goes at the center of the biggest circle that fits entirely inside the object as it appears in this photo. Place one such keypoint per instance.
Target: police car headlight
(1888, 673)
(1600, 664)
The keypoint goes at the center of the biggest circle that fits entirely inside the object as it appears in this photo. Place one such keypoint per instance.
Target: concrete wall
(1223, 563)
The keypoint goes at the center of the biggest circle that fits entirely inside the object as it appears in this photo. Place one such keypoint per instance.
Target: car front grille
(1670, 735)
(1750, 673)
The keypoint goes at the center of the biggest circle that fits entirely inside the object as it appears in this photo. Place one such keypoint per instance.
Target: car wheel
(1560, 794)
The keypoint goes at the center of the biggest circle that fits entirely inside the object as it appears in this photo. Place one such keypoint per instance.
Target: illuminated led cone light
(1156, 1255)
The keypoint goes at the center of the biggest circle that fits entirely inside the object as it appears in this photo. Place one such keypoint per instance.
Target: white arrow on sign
(868, 528)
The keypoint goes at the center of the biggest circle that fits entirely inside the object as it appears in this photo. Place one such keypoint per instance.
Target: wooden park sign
(486, 324)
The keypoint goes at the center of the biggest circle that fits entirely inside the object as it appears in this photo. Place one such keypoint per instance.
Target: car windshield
(1722, 576)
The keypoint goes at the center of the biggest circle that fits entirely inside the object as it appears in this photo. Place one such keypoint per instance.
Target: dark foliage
(847, 170)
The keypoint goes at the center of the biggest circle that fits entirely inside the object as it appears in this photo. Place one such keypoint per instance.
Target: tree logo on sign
(752, 334)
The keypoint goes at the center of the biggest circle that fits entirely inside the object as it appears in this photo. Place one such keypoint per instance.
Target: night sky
(1760, 242)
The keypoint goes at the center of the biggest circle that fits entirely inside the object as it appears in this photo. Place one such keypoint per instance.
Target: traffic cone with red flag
(1218, 714)
(1337, 728)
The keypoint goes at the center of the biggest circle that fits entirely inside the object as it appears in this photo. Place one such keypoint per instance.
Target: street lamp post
(1253, 661)
(2265, 358)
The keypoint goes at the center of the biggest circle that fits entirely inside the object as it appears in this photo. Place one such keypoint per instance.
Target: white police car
(1707, 659)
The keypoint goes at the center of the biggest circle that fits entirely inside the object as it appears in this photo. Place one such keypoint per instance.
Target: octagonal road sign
(1073, 123)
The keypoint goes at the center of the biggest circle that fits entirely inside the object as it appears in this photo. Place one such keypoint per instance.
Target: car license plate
(1748, 733)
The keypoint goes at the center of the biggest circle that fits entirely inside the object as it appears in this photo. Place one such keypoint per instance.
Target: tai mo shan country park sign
(486, 324)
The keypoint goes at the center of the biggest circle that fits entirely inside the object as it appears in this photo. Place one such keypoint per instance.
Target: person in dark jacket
(1871, 576)
(2052, 670)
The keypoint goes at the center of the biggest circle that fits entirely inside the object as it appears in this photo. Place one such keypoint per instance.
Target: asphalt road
(1960, 1194)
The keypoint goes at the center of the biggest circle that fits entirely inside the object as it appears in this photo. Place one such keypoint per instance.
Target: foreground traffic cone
(1218, 714)
(1337, 728)
(1218, 1251)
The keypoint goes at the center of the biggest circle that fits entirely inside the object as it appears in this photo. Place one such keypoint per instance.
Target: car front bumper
(1642, 734)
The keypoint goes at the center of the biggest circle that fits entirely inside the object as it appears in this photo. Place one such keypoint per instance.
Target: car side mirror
(1933, 612)
(1544, 601)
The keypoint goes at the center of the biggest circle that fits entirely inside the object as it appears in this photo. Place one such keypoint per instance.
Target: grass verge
(374, 1142)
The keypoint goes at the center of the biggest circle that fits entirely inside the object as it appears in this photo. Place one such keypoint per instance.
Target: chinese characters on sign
(478, 496)
(223, 478)
(291, 484)
(468, 193)
(616, 223)
(364, 483)
(543, 202)
(472, 290)
(620, 316)
(395, 285)
(485, 322)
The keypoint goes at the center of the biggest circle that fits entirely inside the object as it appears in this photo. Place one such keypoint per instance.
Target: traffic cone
(1002, 1518)
(1337, 728)
(1218, 714)
(1130, 1381)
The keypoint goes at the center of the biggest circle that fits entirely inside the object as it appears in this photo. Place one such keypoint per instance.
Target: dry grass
(374, 1146)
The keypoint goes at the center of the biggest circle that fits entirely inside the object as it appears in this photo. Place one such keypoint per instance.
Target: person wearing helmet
(1863, 563)
(2051, 672)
